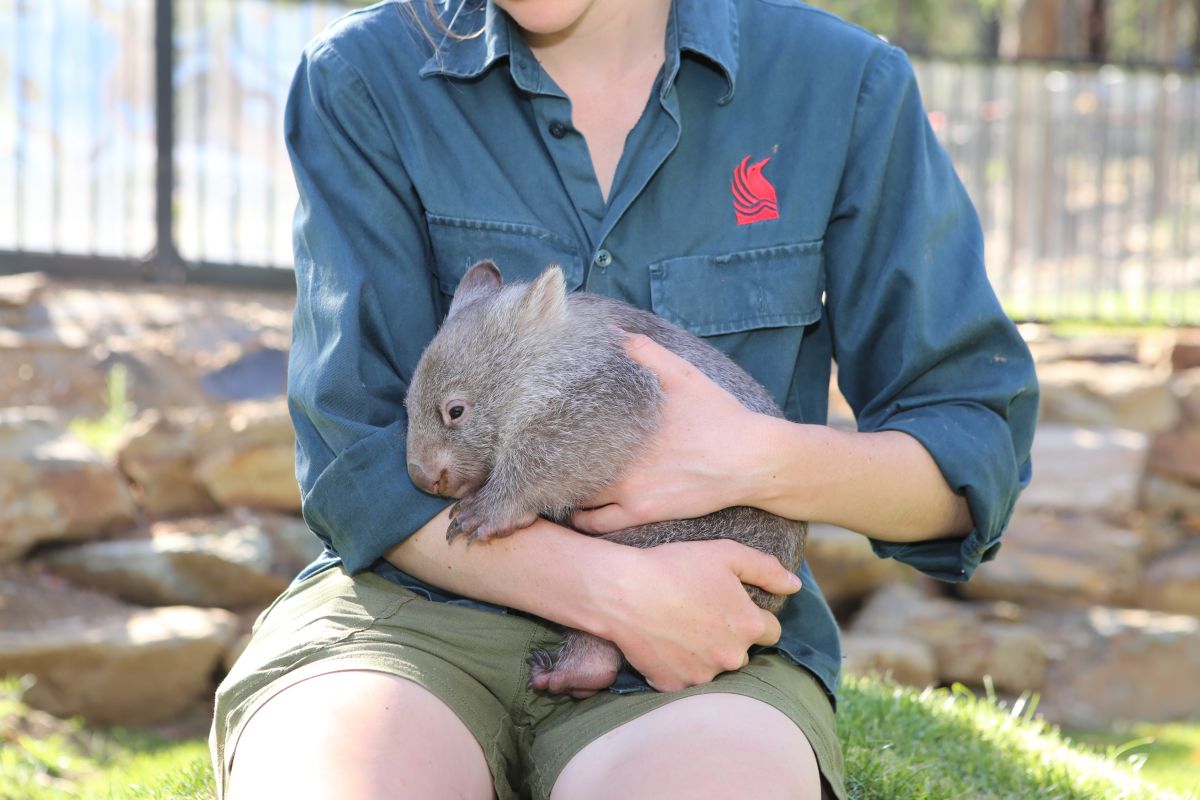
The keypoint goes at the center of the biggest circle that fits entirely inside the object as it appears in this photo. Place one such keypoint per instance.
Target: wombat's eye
(455, 412)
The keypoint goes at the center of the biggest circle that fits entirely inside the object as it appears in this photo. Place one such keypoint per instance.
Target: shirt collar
(478, 37)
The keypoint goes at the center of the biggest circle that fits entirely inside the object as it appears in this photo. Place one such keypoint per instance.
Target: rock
(1164, 496)
(19, 290)
(251, 460)
(1185, 353)
(1186, 388)
(1172, 581)
(1061, 557)
(255, 375)
(845, 566)
(158, 455)
(227, 562)
(107, 662)
(1128, 396)
(1085, 470)
(969, 640)
(53, 487)
(1047, 349)
(1117, 665)
(904, 660)
(1176, 456)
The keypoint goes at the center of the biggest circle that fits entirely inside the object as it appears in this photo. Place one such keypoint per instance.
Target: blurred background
(1073, 123)
(148, 504)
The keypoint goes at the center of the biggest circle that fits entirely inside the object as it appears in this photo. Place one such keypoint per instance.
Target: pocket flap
(766, 288)
(521, 251)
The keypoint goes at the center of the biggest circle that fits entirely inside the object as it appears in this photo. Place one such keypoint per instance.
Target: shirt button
(602, 259)
(558, 130)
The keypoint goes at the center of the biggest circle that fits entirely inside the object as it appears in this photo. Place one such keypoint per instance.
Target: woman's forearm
(544, 569)
(884, 484)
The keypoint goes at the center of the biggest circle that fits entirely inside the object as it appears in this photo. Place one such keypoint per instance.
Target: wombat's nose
(422, 478)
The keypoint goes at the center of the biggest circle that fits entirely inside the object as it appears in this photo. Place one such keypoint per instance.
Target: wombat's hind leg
(585, 665)
(479, 520)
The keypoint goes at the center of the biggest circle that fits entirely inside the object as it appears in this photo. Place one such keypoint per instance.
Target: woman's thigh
(705, 745)
(357, 734)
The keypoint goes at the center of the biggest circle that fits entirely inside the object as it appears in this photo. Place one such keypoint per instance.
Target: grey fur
(552, 410)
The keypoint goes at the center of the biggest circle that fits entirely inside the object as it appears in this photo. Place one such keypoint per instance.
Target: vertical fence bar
(166, 263)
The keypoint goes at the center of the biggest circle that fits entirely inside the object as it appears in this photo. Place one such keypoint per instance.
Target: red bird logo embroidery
(753, 195)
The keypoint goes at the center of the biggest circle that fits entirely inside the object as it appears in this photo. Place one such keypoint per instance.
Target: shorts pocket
(521, 251)
(770, 287)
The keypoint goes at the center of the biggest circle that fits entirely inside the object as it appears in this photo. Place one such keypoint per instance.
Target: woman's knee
(715, 745)
(357, 734)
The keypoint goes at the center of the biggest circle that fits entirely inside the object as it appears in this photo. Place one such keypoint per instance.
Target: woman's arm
(678, 612)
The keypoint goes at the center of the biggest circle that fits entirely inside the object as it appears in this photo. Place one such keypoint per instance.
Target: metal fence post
(165, 263)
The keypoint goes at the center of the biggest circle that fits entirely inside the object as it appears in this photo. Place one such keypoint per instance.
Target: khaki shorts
(476, 661)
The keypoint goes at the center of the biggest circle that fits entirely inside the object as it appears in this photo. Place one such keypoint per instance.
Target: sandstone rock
(1186, 388)
(1185, 353)
(845, 566)
(1083, 470)
(908, 662)
(1176, 456)
(158, 455)
(251, 460)
(1047, 349)
(110, 663)
(1128, 396)
(1063, 557)
(1164, 496)
(1114, 665)
(53, 486)
(20, 289)
(967, 639)
(1172, 581)
(229, 562)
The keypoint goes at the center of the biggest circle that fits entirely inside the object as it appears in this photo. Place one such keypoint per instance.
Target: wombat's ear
(545, 301)
(482, 279)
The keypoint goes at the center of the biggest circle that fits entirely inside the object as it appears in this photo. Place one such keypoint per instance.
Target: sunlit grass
(949, 743)
(1168, 754)
(103, 433)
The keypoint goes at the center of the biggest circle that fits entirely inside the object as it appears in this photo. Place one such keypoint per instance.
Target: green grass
(900, 744)
(949, 743)
(103, 433)
(1168, 754)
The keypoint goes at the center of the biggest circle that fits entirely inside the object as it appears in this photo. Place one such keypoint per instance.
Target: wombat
(526, 404)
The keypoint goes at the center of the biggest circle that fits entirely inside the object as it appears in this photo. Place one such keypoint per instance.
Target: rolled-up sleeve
(921, 342)
(366, 305)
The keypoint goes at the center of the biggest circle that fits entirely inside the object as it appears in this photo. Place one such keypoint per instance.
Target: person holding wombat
(760, 176)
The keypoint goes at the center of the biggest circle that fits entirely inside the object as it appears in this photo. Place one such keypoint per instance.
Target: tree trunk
(1039, 29)
(1167, 50)
(1097, 31)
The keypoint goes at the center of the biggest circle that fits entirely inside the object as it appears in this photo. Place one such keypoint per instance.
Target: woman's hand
(680, 614)
(697, 463)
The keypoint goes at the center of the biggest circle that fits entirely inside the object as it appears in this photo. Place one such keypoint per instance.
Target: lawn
(900, 744)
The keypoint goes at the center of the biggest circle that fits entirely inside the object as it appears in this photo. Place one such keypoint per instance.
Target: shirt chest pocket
(521, 251)
(771, 287)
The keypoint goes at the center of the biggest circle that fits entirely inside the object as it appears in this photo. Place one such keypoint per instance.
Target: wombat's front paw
(472, 518)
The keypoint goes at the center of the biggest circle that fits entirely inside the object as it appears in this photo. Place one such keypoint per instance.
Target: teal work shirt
(782, 195)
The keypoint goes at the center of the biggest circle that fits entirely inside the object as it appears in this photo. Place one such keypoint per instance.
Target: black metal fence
(143, 139)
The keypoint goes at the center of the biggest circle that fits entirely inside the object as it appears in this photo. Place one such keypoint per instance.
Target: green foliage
(104, 433)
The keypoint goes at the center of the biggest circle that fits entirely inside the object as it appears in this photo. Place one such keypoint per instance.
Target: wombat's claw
(540, 662)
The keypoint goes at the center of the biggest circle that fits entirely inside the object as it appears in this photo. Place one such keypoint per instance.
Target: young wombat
(526, 404)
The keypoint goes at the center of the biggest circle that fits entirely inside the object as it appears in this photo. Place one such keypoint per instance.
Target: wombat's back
(594, 309)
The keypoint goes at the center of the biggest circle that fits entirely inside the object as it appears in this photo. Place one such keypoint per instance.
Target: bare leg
(357, 735)
(710, 745)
